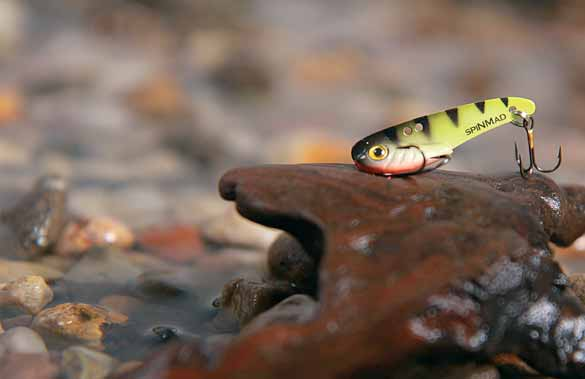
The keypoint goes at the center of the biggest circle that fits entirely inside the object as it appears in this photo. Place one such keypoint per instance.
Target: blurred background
(143, 104)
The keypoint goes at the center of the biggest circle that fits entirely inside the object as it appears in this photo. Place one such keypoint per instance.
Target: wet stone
(21, 340)
(165, 333)
(288, 260)
(246, 299)
(82, 234)
(162, 334)
(29, 293)
(178, 243)
(79, 362)
(37, 219)
(76, 322)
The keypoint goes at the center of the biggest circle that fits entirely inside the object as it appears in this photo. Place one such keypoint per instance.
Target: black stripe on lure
(427, 142)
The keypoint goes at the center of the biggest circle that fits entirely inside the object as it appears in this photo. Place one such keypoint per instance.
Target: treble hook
(528, 126)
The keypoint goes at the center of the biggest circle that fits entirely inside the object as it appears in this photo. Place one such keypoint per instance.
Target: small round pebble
(21, 340)
(81, 235)
(30, 293)
(82, 322)
(80, 362)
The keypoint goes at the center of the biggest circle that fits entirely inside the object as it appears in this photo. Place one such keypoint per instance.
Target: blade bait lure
(427, 142)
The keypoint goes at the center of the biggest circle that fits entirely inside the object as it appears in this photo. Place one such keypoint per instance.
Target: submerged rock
(21, 340)
(79, 362)
(76, 322)
(441, 264)
(178, 243)
(288, 260)
(81, 235)
(35, 223)
(246, 298)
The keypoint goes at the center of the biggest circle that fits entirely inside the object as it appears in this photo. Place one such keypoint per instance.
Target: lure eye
(378, 152)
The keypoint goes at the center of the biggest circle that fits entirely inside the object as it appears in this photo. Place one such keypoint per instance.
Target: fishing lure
(427, 142)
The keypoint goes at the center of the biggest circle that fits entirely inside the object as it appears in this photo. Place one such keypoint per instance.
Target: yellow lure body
(458, 125)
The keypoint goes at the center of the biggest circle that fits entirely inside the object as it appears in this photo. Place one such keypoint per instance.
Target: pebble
(79, 362)
(39, 216)
(247, 299)
(30, 293)
(163, 334)
(28, 366)
(288, 260)
(12, 270)
(178, 243)
(21, 340)
(81, 235)
(232, 229)
(76, 321)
